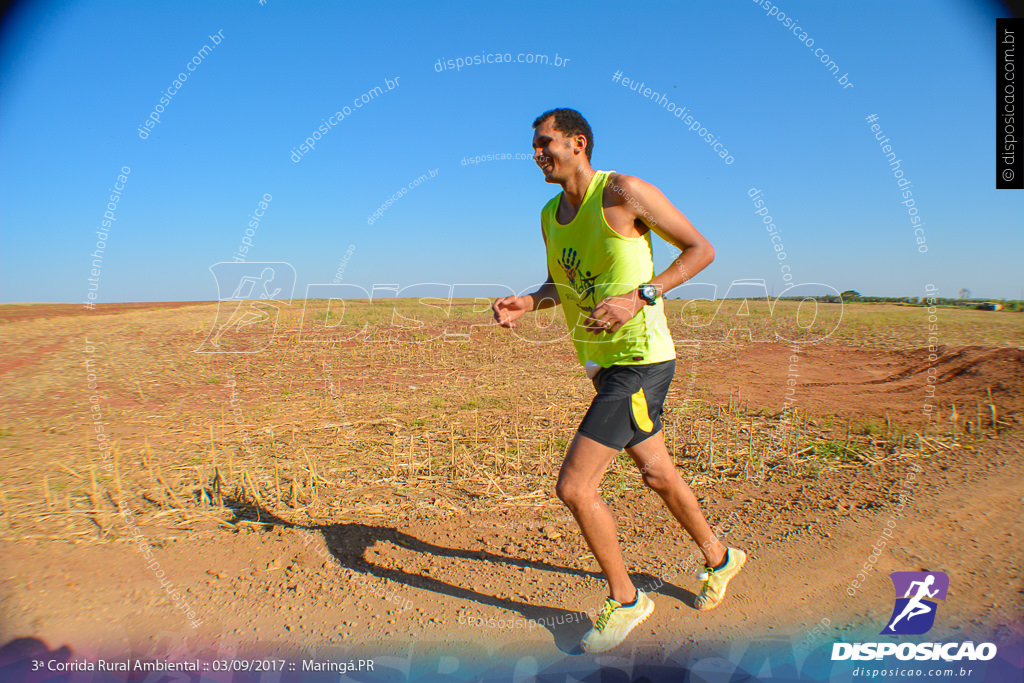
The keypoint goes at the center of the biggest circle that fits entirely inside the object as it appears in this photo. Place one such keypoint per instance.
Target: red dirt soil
(840, 380)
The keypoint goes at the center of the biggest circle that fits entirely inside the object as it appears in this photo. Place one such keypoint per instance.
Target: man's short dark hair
(569, 122)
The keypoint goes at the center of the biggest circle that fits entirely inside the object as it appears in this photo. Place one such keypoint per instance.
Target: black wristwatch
(648, 292)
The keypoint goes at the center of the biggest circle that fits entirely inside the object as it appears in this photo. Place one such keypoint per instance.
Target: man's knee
(658, 481)
(573, 493)
(659, 474)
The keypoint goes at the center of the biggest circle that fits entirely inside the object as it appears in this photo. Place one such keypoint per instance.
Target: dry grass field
(401, 432)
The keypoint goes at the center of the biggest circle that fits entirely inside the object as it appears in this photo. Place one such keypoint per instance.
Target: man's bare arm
(508, 309)
(669, 223)
(646, 202)
(546, 296)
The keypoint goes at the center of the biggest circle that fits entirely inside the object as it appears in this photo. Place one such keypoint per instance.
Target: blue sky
(80, 78)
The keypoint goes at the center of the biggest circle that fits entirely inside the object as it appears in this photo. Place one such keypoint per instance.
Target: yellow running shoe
(715, 580)
(615, 622)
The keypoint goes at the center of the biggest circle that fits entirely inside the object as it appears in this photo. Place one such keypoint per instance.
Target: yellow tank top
(589, 262)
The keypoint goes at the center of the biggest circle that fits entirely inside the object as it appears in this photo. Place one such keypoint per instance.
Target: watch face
(649, 293)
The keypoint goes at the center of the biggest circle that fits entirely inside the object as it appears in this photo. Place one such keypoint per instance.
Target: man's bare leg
(660, 475)
(584, 467)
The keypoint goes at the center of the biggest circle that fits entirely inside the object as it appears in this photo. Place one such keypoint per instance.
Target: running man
(916, 607)
(600, 268)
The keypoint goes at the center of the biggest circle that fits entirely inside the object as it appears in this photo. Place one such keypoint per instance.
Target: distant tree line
(852, 295)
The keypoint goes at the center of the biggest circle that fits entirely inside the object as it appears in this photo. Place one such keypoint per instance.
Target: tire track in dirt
(13, 363)
(876, 384)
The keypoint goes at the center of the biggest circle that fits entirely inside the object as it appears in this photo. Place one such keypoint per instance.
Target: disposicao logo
(917, 596)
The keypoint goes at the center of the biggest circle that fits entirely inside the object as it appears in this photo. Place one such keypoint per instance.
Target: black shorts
(627, 408)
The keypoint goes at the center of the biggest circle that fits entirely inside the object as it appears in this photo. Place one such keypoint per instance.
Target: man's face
(554, 153)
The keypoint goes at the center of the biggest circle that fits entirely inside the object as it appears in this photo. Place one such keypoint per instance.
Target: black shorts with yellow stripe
(627, 408)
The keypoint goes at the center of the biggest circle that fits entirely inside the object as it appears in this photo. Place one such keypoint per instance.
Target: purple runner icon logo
(917, 594)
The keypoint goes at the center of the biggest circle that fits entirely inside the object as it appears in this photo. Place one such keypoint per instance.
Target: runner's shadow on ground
(349, 542)
(654, 584)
